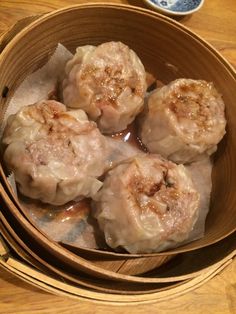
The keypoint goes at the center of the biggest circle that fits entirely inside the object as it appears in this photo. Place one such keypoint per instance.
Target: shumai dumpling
(147, 204)
(184, 120)
(108, 82)
(55, 155)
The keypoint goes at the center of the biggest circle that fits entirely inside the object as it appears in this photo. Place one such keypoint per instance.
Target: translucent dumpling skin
(184, 120)
(108, 82)
(147, 204)
(56, 155)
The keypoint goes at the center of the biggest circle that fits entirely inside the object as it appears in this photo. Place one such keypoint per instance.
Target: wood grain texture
(215, 23)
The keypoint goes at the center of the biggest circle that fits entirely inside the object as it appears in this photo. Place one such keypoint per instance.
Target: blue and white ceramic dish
(175, 7)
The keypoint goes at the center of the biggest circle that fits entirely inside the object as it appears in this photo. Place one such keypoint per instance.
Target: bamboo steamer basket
(52, 284)
(169, 51)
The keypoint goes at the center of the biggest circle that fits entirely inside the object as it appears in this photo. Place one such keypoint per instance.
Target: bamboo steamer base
(49, 284)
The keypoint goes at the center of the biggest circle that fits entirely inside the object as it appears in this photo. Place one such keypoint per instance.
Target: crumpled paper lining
(201, 175)
(39, 84)
(69, 224)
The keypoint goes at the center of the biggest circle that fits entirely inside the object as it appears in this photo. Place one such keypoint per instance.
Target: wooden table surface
(215, 22)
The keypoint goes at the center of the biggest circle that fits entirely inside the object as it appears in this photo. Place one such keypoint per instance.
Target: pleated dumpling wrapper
(184, 120)
(147, 204)
(55, 155)
(108, 82)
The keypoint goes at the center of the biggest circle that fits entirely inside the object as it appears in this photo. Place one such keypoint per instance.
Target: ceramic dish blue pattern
(177, 5)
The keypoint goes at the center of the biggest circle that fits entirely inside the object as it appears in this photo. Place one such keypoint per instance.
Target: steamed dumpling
(184, 120)
(108, 82)
(56, 155)
(147, 204)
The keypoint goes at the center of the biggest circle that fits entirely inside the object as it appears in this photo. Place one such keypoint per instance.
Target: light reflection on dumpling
(56, 155)
(147, 204)
(108, 82)
(184, 120)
